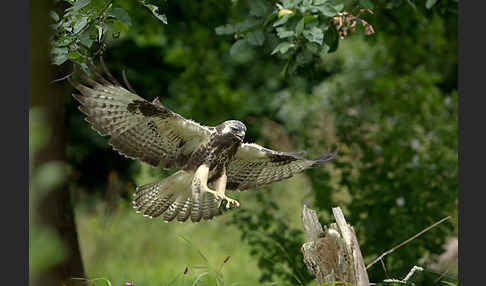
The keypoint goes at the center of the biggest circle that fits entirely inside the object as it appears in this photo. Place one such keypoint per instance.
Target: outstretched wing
(139, 129)
(254, 166)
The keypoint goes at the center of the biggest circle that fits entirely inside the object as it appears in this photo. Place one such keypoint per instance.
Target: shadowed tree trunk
(55, 209)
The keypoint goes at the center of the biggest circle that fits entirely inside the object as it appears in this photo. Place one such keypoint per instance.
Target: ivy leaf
(256, 38)
(86, 40)
(238, 46)
(79, 4)
(331, 38)
(430, 3)
(79, 25)
(75, 56)
(59, 55)
(314, 35)
(367, 4)
(283, 47)
(121, 15)
(54, 16)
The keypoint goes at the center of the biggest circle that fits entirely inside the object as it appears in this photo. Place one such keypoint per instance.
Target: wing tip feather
(326, 156)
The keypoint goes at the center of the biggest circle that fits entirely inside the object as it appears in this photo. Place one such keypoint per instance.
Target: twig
(407, 241)
(405, 280)
(62, 78)
(127, 83)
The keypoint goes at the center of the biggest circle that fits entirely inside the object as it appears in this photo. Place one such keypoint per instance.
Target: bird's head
(235, 128)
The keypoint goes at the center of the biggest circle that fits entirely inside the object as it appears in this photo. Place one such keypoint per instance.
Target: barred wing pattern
(254, 166)
(139, 129)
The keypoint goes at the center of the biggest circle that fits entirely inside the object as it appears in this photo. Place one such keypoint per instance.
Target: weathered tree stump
(332, 254)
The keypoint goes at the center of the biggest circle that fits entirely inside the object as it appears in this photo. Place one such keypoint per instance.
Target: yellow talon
(230, 202)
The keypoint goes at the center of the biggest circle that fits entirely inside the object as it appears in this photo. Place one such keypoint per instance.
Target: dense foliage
(389, 100)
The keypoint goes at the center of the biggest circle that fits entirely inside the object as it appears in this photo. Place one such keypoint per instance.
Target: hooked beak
(240, 135)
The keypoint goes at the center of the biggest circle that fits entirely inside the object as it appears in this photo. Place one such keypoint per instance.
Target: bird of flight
(210, 159)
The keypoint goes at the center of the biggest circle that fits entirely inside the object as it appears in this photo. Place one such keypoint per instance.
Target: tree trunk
(55, 209)
(332, 254)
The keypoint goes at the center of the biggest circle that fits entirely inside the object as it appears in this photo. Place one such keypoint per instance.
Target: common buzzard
(211, 159)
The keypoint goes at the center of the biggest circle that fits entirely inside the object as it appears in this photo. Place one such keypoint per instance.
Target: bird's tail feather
(172, 198)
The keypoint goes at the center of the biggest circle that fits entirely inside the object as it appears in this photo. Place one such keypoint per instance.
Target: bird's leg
(200, 180)
(220, 186)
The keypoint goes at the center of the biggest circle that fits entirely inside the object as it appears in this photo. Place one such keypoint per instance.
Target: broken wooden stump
(332, 253)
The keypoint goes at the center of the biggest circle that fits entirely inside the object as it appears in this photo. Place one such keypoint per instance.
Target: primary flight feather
(211, 159)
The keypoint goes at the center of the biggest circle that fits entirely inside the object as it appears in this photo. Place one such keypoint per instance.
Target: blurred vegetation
(45, 248)
(389, 100)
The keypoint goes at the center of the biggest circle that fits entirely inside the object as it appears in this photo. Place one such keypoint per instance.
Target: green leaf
(86, 40)
(430, 3)
(238, 46)
(299, 28)
(289, 4)
(121, 15)
(270, 18)
(314, 35)
(412, 4)
(245, 25)
(284, 33)
(59, 55)
(79, 25)
(327, 10)
(366, 4)
(256, 38)
(306, 4)
(282, 20)
(75, 56)
(283, 47)
(80, 4)
(331, 38)
(54, 16)
(155, 10)
(339, 7)
(227, 29)
(64, 40)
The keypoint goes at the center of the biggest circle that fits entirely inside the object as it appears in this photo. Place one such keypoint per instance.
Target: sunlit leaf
(283, 47)
(155, 10)
(78, 26)
(59, 55)
(80, 4)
